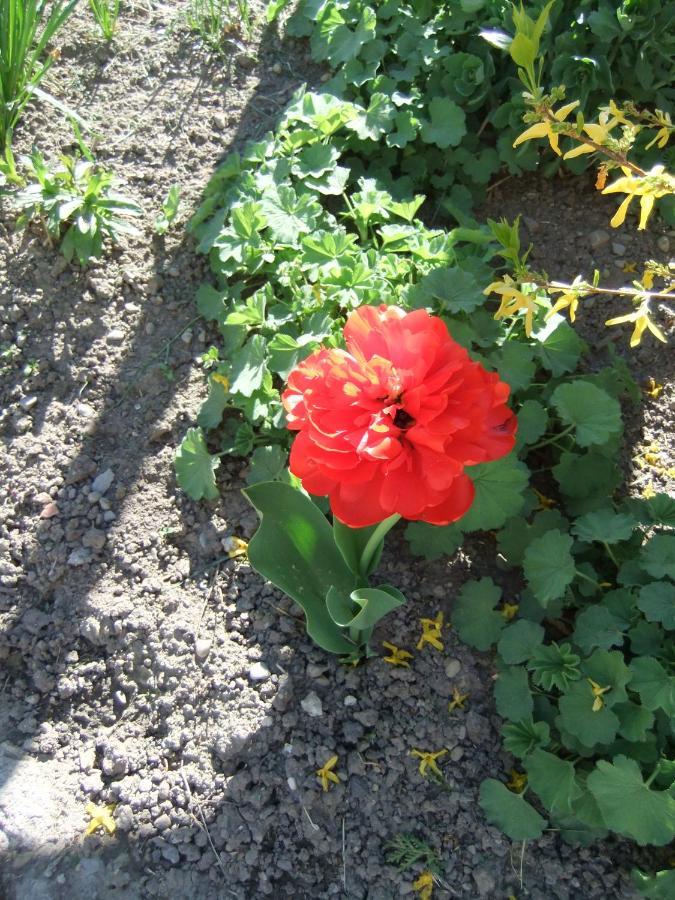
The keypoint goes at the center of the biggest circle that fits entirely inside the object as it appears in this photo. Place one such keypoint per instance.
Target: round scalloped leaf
(499, 493)
(532, 422)
(660, 886)
(605, 526)
(195, 466)
(657, 602)
(513, 698)
(553, 780)
(607, 668)
(517, 533)
(658, 556)
(474, 615)
(554, 666)
(654, 685)
(596, 627)
(548, 565)
(594, 414)
(629, 806)
(432, 541)
(519, 641)
(521, 738)
(510, 812)
(635, 721)
(588, 726)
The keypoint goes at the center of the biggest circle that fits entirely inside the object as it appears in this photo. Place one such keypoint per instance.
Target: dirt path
(138, 667)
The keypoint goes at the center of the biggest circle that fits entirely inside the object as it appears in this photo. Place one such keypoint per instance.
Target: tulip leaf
(294, 549)
(351, 542)
(364, 607)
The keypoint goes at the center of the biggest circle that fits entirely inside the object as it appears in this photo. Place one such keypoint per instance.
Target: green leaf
(499, 493)
(289, 216)
(554, 666)
(658, 556)
(607, 668)
(660, 886)
(595, 415)
(661, 510)
(519, 641)
(433, 541)
(351, 543)
(532, 422)
(294, 549)
(605, 526)
(553, 780)
(447, 289)
(548, 565)
(629, 806)
(447, 126)
(211, 412)
(523, 50)
(513, 698)
(474, 616)
(211, 303)
(267, 464)
(515, 364)
(657, 602)
(587, 473)
(315, 160)
(635, 721)
(510, 812)
(577, 716)
(248, 366)
(517, 534)
(521, 738)
(372, 604)
(654, 685)
(376, 120)
(195, 467)
(595, 626)
(561, 349)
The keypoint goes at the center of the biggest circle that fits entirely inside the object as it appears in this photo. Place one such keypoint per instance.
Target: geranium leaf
(517, 534)
(516, 366)
(249, 366)
(635, 721)
(658, 556)
(433, 541)
(510, 812)
(447, 126)
(577, 716)
(657, 602)
(499, 493)
(604, 525)
(521, 738)
(607, 668)
(654, 685)
(553, 780)
(532, 419)
(474, 615)
(548, 565)
(195, 466)
(594, 414)
(560, 350)
(660, 886)
(519, 640)
(211, 412)
(267, 464)
(554, 666)
(513, 698)
(595, 626)
(629, 806)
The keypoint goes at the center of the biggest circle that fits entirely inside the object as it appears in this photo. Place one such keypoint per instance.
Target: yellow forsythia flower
(656, 183)
(101, 817)
(397, 656)
(641, 321)
(428, 761)
(326, 775)
(424, 885)
(513, 300)
(545, 129)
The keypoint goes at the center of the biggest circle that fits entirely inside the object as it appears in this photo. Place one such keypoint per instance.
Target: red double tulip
(389, 424)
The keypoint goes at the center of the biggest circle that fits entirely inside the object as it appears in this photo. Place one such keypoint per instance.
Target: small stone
(259, 672)
(186, 336)
(22, 424)
(27, 403)
(202, 647)
(94, 538)
(485, 882)
(246, 61)
(598, 238)
(618, 248)
(49, 511)
(84, 410)
(350, 700)
(102, 482)
(292, 783)
(663, 243)
(312, 705)
(79, 557)
(452, 667)
(116, 336)
(162, 822)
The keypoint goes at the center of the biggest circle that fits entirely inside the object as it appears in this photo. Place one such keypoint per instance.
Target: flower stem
(586, 578)
(375, 540)
(552, 439)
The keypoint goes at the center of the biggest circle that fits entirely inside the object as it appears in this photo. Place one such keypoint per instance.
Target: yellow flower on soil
(428, 761)
(648, 491)
(598, 691)
(544, 501)
(513, 300)
(653, 389)
(325, 774)
(424, 885)
(431, 632)
(518, 782)
(641, 322)
(397, 656)
(509, 610)
(235, 546)
(656, 183)
(101, 817)
(545, 129)
(458, 700)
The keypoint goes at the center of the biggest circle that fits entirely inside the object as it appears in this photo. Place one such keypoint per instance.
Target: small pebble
(102, 482)
(27, 403)
(116, 336)
(598, 238)
(452, 667)
(312, 705)
(663, 243)
(259, 672)
(618, 248)
(202, 647)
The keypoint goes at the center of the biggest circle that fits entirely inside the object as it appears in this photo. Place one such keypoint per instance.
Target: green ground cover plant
(337, 209)
(216, 21)
(26, 29)
(106, 14)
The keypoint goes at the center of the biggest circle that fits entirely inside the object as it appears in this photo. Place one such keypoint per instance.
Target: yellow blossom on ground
(513, 300)
(544, 501)
(517, 782)
(598, 691)
(221, 379)
(648, 491)
(101, 817)
(431, 632)
(656, 183)
(653, 389)
(458, 700)
(641, 321)
(509, 610)
(628, 267)
(545, 129)
(397, 656)
(325, 774)
(428, 761)
(235, 546)
(424, 885)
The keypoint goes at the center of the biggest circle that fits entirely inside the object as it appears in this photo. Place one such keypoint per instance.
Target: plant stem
(610, 554)
(614, 292)
(376, 539)
(586, 578)
(552, 439)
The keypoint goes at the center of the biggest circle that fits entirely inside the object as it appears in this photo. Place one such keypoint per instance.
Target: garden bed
(143, 667)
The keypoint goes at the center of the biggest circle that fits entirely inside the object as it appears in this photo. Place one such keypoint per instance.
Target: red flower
(388, 425)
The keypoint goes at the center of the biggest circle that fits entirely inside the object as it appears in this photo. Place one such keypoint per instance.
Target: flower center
(402, 419)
